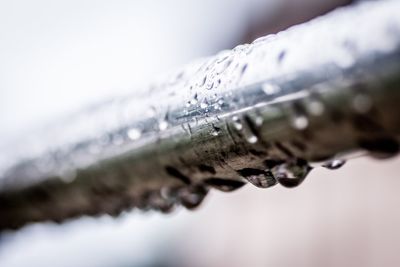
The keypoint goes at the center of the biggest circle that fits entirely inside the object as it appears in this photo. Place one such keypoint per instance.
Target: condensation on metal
(260, 113)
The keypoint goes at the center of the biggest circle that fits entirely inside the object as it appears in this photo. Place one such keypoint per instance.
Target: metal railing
(264, 113)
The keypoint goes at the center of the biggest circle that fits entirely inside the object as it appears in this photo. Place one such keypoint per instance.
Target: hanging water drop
(192, 196)
(158, 202)
(257, 177)
(168, 192)
(142, 203)
(334, 164)
(291, 173)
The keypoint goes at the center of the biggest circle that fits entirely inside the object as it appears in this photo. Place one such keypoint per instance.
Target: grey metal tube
(260, 113)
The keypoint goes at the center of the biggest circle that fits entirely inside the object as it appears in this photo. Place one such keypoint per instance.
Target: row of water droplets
(233, 69)
(288, 174)
(168, 198)
(285, 172)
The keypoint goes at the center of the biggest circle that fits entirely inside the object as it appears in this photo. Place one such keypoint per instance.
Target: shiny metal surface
(262, 113)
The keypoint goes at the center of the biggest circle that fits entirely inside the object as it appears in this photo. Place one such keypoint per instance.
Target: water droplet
(291, 173)
(362, 103)
(300, 122)
(215, 131)
(281, 56)
(257, 177)
(192, 196)
(194, 99)
(244, 68)
(316, 108)
(133, 133)
(237, 123)
(271, 89)
(209, 85)
(68, 176)
(117, 139)
(246, 127)
(142, 203)
(203, 105)
(220, 103)
(158, 202)
(162, 125)
(203, 81)
(258, 120)
(168, 192)
(262, 181)
(223, 65)
(334, 164)
(252, 139)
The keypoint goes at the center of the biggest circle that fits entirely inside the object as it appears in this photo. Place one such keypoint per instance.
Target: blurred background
(59, 56)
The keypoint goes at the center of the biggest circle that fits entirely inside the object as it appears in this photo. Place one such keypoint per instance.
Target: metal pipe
(260, 113)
